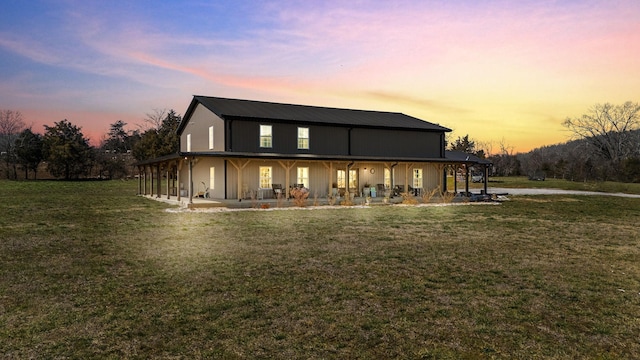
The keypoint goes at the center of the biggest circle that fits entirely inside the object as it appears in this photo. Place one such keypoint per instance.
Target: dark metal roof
(459, 156)
(236, 108)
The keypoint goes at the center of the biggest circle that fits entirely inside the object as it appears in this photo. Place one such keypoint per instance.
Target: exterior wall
(323, 140)
(318, 176)
(200, 177)
(198, 127)
(335, 140)
(392, 143)
(431, 177)
(319, 179)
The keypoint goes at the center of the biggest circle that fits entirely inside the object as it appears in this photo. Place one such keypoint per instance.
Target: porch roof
(462, 157)
(450, 157)
(276, 156)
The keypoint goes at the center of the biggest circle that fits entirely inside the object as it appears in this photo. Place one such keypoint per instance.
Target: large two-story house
(235, 149)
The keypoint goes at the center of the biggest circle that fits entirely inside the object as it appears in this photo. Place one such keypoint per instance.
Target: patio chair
(277, 190)
(397, 190)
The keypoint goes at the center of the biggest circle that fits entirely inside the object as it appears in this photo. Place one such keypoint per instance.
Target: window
(341, 178)
(212, 178)
(188, 142)
(265, 177)
(210, 137)
(353, 178)
(303, 138)
(387, 178)
(303, 176)
(417, 178)
(266, 137)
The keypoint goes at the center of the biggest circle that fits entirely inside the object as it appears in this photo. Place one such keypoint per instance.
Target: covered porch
(221, 179)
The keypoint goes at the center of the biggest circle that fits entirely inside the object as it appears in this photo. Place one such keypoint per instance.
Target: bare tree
(609, 130)
(154, 119)
(486, 146)
(11, 124)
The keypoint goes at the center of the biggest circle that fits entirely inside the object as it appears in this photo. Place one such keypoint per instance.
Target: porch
(267, 203)
(211, 181)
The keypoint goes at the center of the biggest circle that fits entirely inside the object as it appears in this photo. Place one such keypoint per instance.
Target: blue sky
(500, 71)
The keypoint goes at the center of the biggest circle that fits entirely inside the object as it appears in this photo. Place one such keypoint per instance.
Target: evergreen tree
(28, 147)
(161, 141)
(66, 150)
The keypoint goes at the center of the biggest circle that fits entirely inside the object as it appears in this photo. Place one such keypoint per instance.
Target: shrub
(408, 198)
(347, 200)
(300, 196)
(427, 196)
(447, 197)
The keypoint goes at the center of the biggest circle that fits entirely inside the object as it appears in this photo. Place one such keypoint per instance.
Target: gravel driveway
(513, 191)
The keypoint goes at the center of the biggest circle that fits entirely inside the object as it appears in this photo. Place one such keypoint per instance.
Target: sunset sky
(501, 71)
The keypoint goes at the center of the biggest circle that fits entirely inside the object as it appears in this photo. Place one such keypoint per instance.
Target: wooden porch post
(159, 184)
(190, 181)
(406, 178)
(486, 178)
(466, 178)
(168, 180)
(455, 179)
(239, 167)
(393, 178)
(151, 180)
(287, 174)
(347, 193)
(440, 171)
(139, 181)
(178, 178)
(330, 186)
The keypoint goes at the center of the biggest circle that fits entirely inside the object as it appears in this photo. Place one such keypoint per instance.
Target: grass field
(524, 182)
(601, 186)
(89, 270)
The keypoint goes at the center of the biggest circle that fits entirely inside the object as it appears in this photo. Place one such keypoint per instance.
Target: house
(237, 149)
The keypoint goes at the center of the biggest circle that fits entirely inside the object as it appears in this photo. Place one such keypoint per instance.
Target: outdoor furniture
(397, 190)
(277, 190)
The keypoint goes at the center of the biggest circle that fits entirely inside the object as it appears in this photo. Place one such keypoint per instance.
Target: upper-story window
(303, 138)
(210, 137)
(188, 142)
(266, 136)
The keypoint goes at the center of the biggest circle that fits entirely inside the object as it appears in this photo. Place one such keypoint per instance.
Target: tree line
(65, 153)
(605, 146)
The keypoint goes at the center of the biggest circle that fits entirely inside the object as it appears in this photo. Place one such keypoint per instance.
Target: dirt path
(513, 191)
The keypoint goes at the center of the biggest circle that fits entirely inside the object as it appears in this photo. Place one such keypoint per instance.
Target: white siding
(198, 126)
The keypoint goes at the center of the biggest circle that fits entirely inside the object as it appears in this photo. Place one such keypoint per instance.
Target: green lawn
(89, 270)
(524, 182)
(601, 186)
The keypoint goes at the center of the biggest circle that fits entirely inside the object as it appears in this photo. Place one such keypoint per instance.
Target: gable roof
(236, 108)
